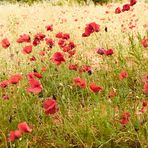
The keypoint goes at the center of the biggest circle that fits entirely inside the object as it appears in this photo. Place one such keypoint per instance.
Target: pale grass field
(17, 20)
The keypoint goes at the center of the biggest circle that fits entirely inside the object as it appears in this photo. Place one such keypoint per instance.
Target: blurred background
(69, 2)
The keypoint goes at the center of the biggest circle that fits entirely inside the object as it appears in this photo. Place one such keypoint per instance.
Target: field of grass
(70, 90)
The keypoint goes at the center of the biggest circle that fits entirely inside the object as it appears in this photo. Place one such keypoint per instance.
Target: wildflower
(144, 42)
(49, 27)
(14, 79)
(5, 43)
(58, 58)
(95, 88)
(24, 38)
(126, 7)
(4, 83)
(14, 135)
(50, 106)
(90, 28)
(122, 75)
(24, 128)
(133, 2)
(145, 88)
(73, 67)
(117, 10)
(35, 86)
(79, 82)
(27, 49)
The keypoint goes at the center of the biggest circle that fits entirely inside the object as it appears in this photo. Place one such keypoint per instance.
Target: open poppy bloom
(31, 75)
(33, 58)
(4, 83)
(145, 88)
(144, 42)
(133, 2)
(24, 38)
(126, 7)
(14, 135)
(125, 118)
(95, 88)
(27, 49)
(50, 42)
(79, 82)
(122, 75)
(35, 86)
(24, 128)
(90, 28)
(66, 36)
(117, 10)
(49, 27)
(84, 68)
(58, 58)
(14, 79)
(59, 35)
(50, 106)
(73, 67)
(38, 38)
(108, 52)
(5, 43)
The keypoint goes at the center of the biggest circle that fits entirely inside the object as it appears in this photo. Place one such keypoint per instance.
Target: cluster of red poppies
(125, 7)
(63, 40)
(22, 128)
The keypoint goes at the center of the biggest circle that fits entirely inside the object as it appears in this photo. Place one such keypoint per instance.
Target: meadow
(74, 76)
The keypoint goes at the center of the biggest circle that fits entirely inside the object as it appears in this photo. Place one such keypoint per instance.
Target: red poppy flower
(145, 88)
(61, 43)
(50, 106)
(31, 75)
(44, 69)
(4, 83)
(145, 42)
(143, 109)
(33, 58)
(49, 28)
(66, 36)
(14, 135)
(24, 128)
(100, 51)
(95, 88)
(84, 68)
(71, 53)
(42, 53)
(108, 52)
(117, 10)
(144, 103)
(38, 38)
(35, 86)
(145, 79)
(49, 42)
(14, 79)
(73, 67)
(122, 75)
(5, 97)
(27, 49)
(5, 43)
(71, 45)
(24, 38)
(125, 118)
(126, 7)
(59, 35)
(58, 58)
(90, 28)
(79, 82)
(133, 2)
